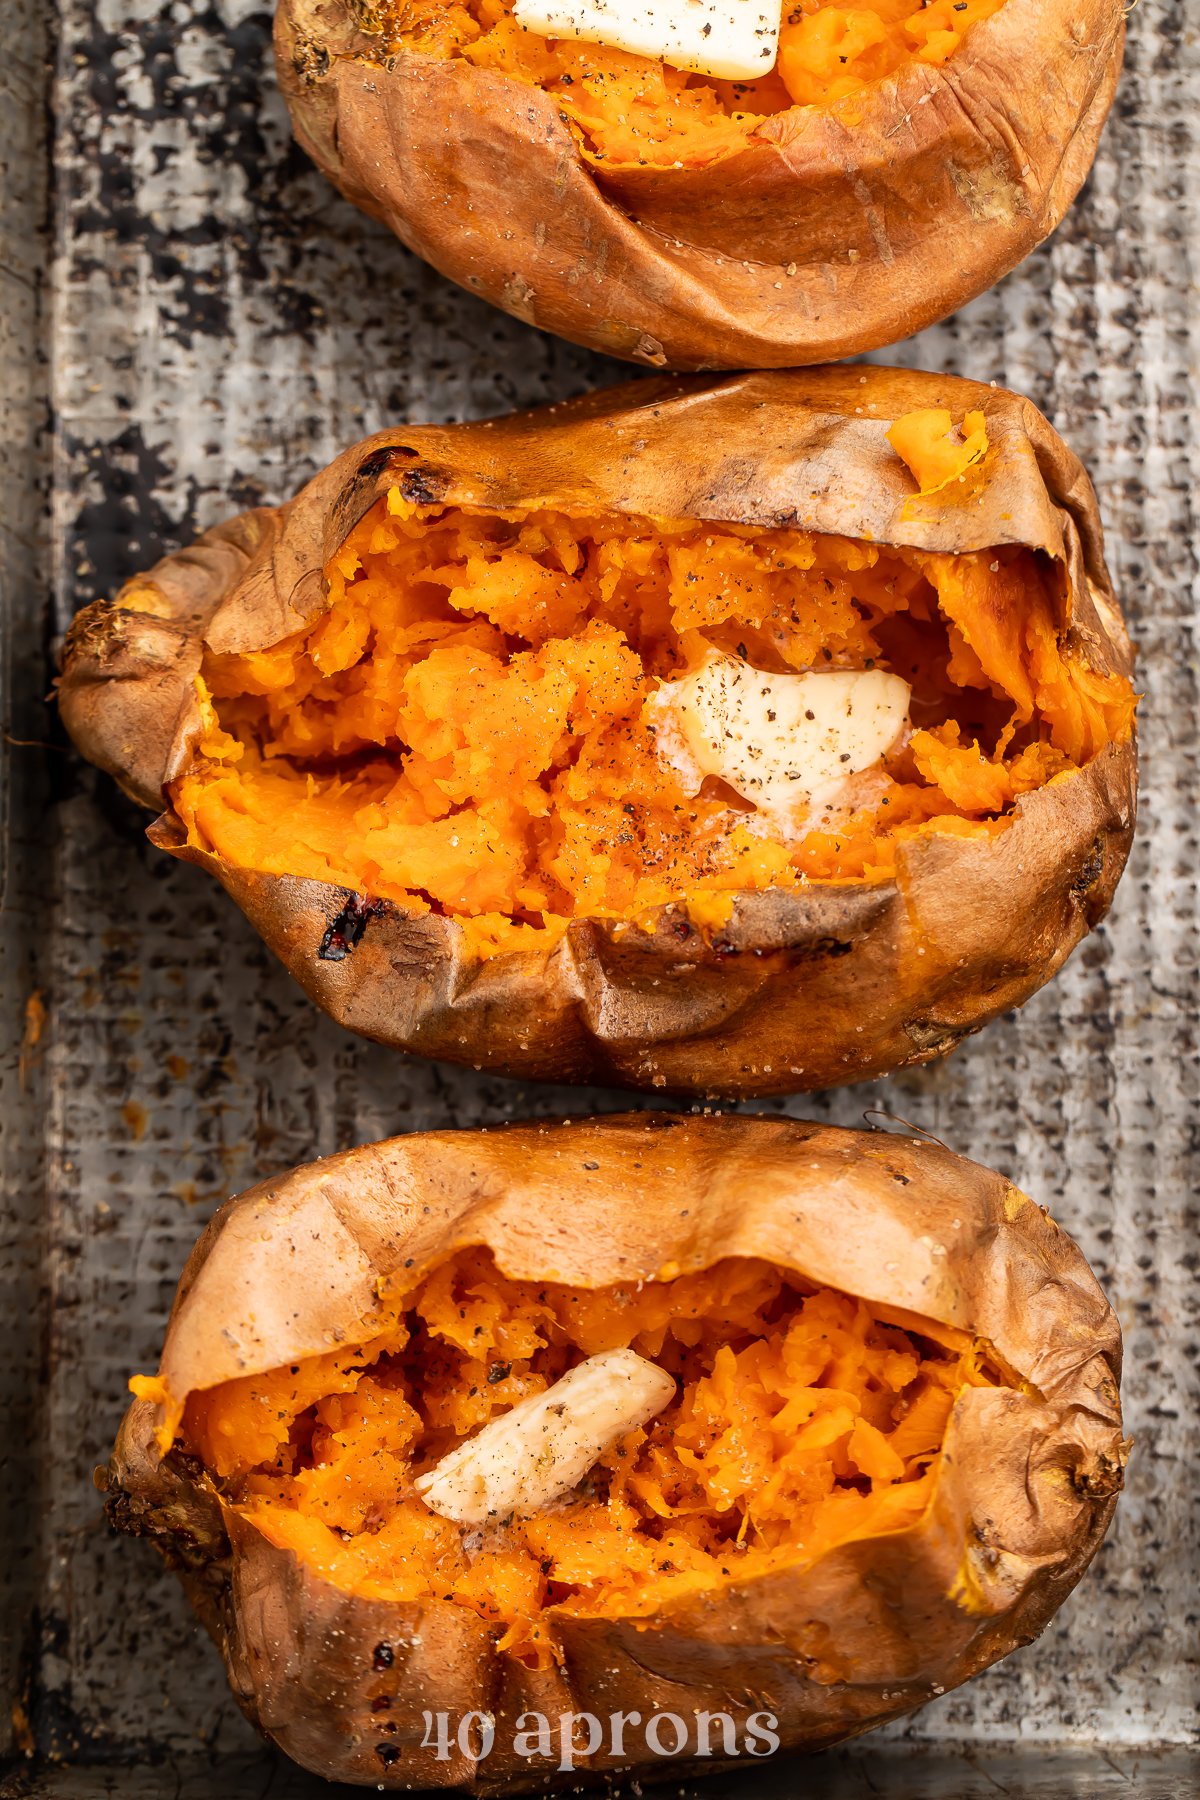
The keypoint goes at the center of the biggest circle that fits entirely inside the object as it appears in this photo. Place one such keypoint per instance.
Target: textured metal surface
(899, 1773)
(211, 324)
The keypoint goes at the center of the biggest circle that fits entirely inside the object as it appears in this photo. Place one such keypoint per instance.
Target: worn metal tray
(192, 321)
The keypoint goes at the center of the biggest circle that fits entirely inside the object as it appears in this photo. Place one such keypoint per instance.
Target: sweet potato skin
(1024, 1496)
(801, 990)
(817, 241)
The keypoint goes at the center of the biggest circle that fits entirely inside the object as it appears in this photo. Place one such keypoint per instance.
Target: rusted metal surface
(203, 323)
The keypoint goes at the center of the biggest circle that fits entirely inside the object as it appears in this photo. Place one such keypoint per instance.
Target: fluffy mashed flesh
(479, 725)
(799, 1419)
(631, 110)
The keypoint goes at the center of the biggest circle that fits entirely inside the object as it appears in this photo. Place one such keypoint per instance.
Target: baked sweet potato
(414, 722)
(888, 1445)
(898, 161)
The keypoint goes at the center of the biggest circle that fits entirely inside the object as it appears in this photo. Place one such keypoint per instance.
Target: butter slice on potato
(544, 1445)
(733, 40)
(782, 742)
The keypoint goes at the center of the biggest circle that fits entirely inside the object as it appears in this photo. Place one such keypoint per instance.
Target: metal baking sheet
(193, 321)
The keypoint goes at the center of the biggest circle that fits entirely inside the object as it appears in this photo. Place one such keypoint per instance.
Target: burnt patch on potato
(930, 1039)
(1092, 869)
(310, 61)
(344, 933)
(821, 947)
(424, 487)
(367, 18)
(420, 487)
(377, 463)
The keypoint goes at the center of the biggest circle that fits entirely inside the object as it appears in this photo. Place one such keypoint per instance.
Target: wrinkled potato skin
(817, 241)
(801, 990)
(1024, 1495)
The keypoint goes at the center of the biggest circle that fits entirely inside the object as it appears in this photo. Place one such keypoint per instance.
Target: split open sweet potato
(881, 1444)
(681, 736)
(897, 160)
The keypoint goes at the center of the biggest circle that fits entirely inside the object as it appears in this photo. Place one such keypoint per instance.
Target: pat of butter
(734, 40)
(780, 741)
(541, 1448)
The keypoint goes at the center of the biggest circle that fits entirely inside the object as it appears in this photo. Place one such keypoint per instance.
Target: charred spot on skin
(815, 950)
(423, 487)
(345, 931)
(387, 1754)
(499, 1371)
(1091, 871)
(369, 19)
(384, 1657)
(932, 1040)
(310, 61)
(1099, 1483)
(721, 947)
(379, 462)
(829, 946)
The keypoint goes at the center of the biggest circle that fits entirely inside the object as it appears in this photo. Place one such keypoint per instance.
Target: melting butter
(786, 743)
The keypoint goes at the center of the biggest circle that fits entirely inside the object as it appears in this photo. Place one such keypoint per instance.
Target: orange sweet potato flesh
(631, 111)
(403, 724)
(895, 1447)
(836, 206)
(801, 1422)
(463, 729)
